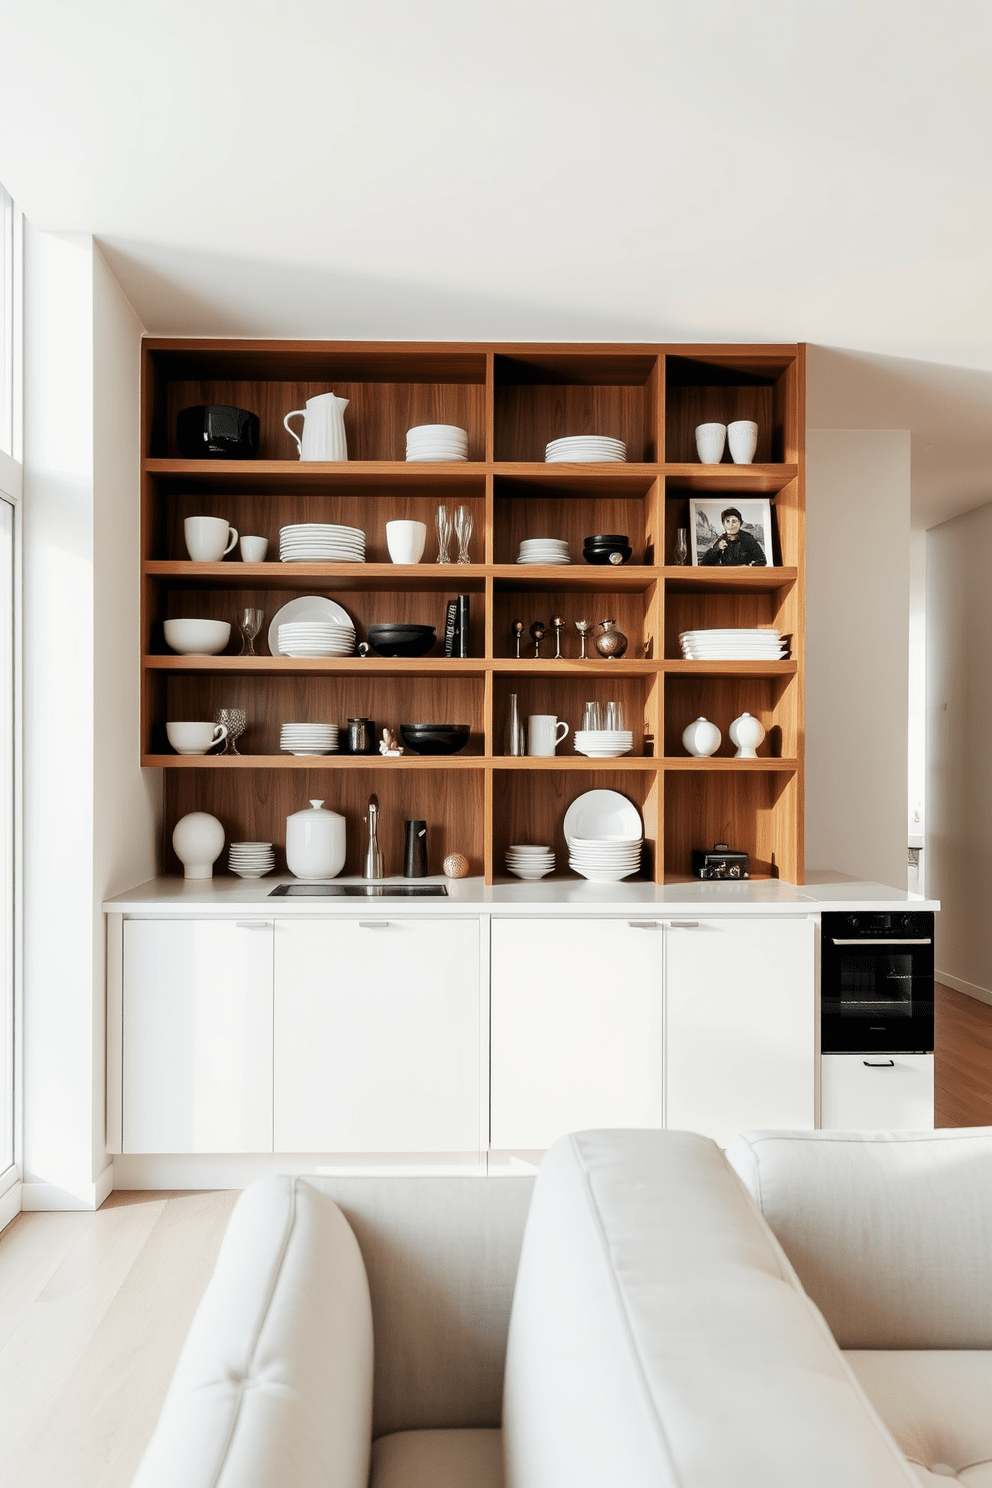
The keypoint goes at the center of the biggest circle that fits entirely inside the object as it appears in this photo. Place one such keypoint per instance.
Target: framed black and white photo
(731, 532)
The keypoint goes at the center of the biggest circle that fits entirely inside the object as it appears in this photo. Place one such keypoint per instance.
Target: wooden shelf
(511, 399)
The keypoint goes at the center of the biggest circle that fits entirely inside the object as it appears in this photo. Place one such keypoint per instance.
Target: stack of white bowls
(584, 449)
(309, 738)
(436, 442)
(316, 638)
(544, 550)
(530, 862)
(321, 542)
(603, 743)
(604, 859)
(251, 859)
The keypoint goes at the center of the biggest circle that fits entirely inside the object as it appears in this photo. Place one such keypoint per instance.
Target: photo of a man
(734, 536)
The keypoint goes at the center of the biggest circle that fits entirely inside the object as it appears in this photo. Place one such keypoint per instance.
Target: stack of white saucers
(584, 448)
(309, 738)
(603, 743)
(604, 859)
(316, 638)
(251, 859)
(544, 550)
(530, 862)
(436, 442)
(760, 643)
(321, 542)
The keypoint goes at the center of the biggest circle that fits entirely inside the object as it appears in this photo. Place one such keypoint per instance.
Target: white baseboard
(980, 994)
(10, 1203)
(45, 1196)
(235, 1170)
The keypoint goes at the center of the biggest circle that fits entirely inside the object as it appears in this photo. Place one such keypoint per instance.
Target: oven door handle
(873, 942)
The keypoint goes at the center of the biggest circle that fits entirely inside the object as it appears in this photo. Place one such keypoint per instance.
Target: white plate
(579, 459)
(306, 607)
(412, 459)
(602, 814)
(573, 441)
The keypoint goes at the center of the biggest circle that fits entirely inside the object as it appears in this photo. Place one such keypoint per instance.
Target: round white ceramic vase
(702, 738)
(315, 843)
(747, 733)
(199, 841)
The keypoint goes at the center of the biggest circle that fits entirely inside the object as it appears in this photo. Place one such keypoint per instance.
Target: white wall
(959, 748)
(857, 650)
(89, 819)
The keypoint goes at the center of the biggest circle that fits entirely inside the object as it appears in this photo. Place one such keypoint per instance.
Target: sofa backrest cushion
(274, 1383)
(660, 1339)
(890, 1232)
(441, 1256)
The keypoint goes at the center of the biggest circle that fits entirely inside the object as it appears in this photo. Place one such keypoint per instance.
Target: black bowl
(406, 630)
(610, 556)
(215, 431)
(435, 738)
(607, 540)
(404, 644)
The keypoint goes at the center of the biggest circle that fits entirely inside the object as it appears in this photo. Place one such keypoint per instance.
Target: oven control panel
(884, 926)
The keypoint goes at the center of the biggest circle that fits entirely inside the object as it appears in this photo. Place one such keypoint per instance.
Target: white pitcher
(323, 428)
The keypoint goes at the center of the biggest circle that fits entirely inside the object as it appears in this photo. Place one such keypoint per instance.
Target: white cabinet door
(577, 1018)
(377, 1036)
(197, 1036)
(876, 1092)
(740, 1025)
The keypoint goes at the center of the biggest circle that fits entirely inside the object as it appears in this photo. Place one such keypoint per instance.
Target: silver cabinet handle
(871, 940)
(644, 924)
(254, 924)
(684, 924)
(373, 924)
(879, 1063)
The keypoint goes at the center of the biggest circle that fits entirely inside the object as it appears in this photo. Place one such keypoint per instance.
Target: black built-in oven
(876, 983)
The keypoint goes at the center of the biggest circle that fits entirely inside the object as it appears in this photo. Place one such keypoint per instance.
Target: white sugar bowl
(747, 733)
(702, 738)
(315, 843)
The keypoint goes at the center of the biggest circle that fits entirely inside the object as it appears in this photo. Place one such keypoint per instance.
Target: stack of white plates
(251, 859)
(530, 862)
(604, 832)
(309, 738)
(315, 638)
(544, 550)
(584, 448)
(436, 442)
(321, 542)
(603, 743)
(761, 643)
(605, 860)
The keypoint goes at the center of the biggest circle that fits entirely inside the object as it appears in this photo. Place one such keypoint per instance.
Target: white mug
(710, 440)
(254, 549)
(206, 537)
(405, 541)
(195, 738)
(543, 737)
(742, 437)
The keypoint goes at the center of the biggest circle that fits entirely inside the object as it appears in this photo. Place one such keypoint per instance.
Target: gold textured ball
(456, 865)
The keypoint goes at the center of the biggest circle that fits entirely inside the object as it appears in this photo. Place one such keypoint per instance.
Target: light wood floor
(94, 1307)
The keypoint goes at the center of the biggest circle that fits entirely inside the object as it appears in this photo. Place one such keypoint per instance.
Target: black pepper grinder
(415, 850)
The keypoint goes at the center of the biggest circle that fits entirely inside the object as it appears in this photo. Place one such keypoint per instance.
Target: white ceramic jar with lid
(315, 843)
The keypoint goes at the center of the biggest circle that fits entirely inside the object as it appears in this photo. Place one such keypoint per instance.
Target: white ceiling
(541, 169)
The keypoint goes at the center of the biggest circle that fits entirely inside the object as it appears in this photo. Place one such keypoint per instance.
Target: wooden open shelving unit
(511, 399)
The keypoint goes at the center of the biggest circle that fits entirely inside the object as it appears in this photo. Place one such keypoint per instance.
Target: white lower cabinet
(740, 1030)
(876, 1092)
(576, 1024)
(377, 1036)
(197, 1036)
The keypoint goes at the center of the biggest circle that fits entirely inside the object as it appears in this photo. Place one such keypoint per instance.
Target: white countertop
(225, 896)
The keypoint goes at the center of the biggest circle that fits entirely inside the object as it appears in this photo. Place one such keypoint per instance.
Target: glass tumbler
(592, 716)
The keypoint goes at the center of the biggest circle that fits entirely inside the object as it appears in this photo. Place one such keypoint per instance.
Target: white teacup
(742, 437)
(208, 539)
(710, 442)
(405, 541)
(195, 738)
(543, 737)
(254, 549)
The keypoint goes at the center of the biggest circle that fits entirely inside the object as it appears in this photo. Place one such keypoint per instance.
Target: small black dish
(607, 540)
(403, 644)
(435, 738)
(215, 431)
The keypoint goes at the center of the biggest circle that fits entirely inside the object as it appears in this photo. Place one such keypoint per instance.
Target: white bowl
(197, 637)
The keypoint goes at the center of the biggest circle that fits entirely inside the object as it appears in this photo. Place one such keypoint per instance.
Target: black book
(461, 629)
(450, 627)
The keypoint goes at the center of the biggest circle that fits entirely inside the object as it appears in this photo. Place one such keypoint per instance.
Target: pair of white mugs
(209, 539)
(742, 436)
(543, 737)
(195, 738)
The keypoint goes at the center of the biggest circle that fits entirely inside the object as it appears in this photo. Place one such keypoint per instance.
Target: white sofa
(661, 1335)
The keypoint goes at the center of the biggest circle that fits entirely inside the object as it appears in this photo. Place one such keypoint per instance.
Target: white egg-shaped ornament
(198, 839)
(747, 733)
(702, 738)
